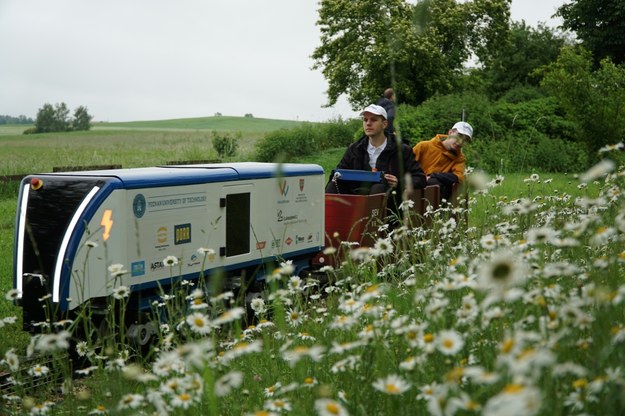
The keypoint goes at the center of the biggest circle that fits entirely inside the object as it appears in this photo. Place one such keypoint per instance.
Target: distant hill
(219, 123)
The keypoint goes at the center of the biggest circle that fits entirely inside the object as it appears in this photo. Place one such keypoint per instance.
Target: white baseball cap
(378, 110)
(463, 127)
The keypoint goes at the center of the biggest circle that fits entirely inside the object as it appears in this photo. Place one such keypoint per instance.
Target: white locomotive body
(81, 235)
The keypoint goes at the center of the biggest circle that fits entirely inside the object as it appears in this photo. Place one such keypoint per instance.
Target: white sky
(159, 59)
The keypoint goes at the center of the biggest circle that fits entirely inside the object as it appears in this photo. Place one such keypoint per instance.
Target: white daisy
(258, 306)
(121, 292)
(503, 270)
(199, 323)
(449, 342)
(130, 401)
(12, 360)
(229, 316)
(12, 295)
(228, 382)
(170, 261)
(392, 385)
(329, 407)
(117, 270)
(383, 247)
(597, 171)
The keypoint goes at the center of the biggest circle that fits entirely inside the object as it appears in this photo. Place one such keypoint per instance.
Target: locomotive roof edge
(165, 175)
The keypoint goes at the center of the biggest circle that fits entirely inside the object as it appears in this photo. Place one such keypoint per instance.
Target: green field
(251, 125)
(132, 144)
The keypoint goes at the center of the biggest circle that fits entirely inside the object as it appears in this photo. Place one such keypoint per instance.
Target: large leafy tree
(82, 119)
(45, 120)
(514, 61)
(595, 100)
(599, 24)
(61, 118)
(420, 49)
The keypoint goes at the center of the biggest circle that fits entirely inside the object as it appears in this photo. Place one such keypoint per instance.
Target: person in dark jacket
(388, 102)
(376, 152)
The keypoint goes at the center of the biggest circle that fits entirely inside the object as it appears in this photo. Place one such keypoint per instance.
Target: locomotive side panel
(293, 210)
(168, 221)
(102, 245)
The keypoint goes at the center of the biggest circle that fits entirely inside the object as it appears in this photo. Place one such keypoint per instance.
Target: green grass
(130, 144)
(221, 123)
(13, 129)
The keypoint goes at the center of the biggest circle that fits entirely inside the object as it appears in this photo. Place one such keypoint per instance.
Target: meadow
(129, 144)
(518, 309)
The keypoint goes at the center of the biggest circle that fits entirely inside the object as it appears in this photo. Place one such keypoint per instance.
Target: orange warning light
(36, 183)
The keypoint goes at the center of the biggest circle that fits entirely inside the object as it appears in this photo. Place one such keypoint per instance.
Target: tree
(56, 118)
(61, 120)
(599, 24)
(44, 122)
(82, 119)
(595, 100)
(514, 62)
(21, 119)
(367, 45)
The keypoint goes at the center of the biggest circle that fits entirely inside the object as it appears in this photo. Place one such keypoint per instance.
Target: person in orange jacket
(441, 157)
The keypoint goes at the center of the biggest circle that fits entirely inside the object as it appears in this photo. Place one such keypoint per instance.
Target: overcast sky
(159, 59)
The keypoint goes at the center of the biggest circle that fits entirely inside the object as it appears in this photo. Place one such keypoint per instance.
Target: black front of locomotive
(46, 206)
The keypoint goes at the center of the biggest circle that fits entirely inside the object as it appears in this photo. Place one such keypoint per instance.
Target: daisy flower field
(499, 306)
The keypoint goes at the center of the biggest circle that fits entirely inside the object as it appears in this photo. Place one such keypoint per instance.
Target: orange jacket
(435, 158)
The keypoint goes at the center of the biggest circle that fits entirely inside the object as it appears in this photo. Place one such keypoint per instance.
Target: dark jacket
(389, 106)
(393, 159)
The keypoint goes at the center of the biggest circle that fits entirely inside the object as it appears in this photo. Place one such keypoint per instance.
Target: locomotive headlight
(36, 183)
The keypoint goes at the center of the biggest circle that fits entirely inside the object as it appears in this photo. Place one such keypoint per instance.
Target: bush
(337, 133)
(440, 112)
(515, 153)
(511, 135)
(224, 144)
(285, 143)
(526, 118)
(305, 139)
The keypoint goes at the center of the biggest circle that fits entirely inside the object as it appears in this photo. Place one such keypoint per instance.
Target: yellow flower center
(507, 345)
(392, 388)
(580, 383)
(513, 388)
(332, 408)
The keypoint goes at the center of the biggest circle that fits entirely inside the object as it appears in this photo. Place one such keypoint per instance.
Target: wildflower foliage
(521, 311)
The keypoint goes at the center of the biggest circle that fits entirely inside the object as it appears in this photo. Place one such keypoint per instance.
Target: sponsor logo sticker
(283, 187)
(137, 268)
(194, 260)
(157, 265)
(182, 233)
(139, 205)
(161, 235)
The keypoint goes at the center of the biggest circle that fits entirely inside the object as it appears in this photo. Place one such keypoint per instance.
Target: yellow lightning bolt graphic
(107, 223)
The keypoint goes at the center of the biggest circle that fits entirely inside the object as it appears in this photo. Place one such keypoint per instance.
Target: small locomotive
(72, 227)
(81, 235)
